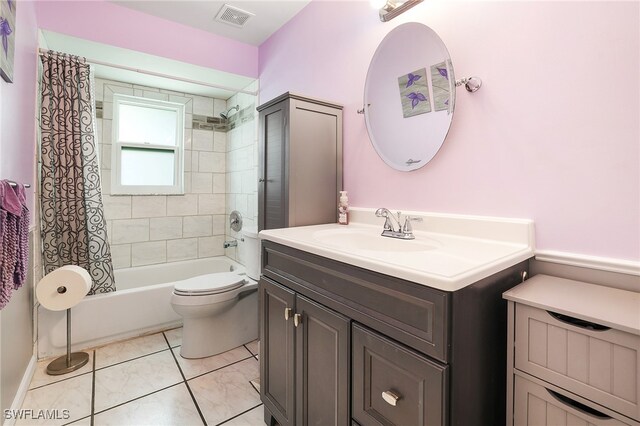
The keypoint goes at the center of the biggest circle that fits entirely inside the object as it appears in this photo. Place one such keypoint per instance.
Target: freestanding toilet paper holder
(71, 361)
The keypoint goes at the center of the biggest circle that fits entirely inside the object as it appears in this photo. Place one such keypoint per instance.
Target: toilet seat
(205, 285)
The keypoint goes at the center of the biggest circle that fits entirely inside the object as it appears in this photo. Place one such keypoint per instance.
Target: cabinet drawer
(536, 405)
(597, 363)
(412, 313)
(393, 385)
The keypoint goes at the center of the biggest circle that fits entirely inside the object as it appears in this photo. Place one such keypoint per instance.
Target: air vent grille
(233, 16)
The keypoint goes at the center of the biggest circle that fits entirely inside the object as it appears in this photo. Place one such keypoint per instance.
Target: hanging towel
(14, 239)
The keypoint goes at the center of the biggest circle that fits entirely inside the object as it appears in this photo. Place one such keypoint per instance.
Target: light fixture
(389, 9)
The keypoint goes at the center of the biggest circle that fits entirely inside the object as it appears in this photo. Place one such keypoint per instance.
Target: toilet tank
(249, 252)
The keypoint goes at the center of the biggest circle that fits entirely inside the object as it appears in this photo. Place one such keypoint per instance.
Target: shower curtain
(74, 230)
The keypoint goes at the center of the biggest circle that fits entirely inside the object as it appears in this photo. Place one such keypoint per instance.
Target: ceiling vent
(233, 16)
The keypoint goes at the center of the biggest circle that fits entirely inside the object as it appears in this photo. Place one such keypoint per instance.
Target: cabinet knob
(287, 313)
(390, 397)
(297, 319)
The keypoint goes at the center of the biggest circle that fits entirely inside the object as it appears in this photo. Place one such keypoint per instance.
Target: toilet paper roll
(63, 288)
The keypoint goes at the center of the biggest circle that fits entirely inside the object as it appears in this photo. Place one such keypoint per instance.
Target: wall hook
(472, 84)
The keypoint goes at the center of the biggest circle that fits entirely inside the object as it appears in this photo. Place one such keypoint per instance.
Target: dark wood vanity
(342, 345)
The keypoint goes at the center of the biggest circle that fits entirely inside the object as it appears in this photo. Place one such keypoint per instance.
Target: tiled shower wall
(150, 229)
(242, 163)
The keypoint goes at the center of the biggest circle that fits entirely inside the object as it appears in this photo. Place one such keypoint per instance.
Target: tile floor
(145, 381)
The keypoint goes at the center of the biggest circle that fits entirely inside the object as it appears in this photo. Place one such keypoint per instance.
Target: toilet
(220, 311)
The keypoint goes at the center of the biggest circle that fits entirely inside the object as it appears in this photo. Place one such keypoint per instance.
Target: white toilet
(220, 311)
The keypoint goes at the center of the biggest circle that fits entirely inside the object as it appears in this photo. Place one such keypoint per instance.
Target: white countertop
(448, 253)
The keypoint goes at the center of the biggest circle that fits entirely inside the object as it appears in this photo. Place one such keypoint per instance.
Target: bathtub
(140, 305)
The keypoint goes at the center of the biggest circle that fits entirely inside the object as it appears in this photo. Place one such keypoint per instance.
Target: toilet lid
(209, 284)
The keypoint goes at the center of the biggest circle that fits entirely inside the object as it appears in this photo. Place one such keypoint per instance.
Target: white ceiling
(270, 15)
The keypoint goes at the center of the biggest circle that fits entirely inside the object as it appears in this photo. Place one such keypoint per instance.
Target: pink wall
(18, 105)
(553, 135)
(109, 23)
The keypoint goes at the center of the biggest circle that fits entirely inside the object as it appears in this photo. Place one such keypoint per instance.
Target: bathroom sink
(366, 239)
(448, 252)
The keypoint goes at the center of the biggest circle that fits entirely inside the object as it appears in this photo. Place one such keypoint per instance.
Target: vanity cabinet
(305, 359)
(300, 162)
(372, 349)
(574, 353)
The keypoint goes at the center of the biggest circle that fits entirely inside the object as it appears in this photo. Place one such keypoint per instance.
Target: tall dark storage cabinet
(300, 164)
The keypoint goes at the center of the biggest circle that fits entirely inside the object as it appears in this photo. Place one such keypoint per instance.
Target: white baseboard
(619, 266)
(22, 389)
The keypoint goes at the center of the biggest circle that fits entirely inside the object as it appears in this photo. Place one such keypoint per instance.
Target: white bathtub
(140, 305)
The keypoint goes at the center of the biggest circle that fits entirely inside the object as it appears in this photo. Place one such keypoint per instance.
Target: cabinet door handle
(578, 406)
(390, 397)
(578, 322)
(297, 319)
(287, 313)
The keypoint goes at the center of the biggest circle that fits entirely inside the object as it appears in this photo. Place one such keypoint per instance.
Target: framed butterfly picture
(7, 38)
(414, 93)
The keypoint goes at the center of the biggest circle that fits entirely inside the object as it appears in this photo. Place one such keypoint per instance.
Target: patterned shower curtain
(74, 231)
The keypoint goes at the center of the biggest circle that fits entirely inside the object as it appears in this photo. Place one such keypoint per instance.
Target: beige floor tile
(226, 392)
(256, 384)
(40, 377)
(254, 347)
(195, 367)
(73, 395)
(129, 349)
(174, 336)
(123, 382)
(172, 406)
(253, 417)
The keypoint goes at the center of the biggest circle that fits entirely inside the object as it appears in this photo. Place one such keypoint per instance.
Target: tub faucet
(233, 243)
(392, 227)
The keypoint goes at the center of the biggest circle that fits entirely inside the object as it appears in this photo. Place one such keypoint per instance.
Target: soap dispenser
(343, 209)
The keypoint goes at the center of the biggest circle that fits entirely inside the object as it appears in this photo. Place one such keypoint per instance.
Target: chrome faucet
(392, 227)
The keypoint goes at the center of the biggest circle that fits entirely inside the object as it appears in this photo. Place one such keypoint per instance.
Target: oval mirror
(409, 96)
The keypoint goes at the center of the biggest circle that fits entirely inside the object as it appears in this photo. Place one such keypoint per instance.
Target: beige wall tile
(184, 249)
(202, 183)
(182, 205)
(165, 228)
(121, 256)
(148, 253)
(148, 206)
(218, 183)
(186, 101)
(130, 231)
(219, 105)
(116, 207)
(219, 223)
(203, 106)
(197, 226)
(211, 204)
(219, 141)
(202, 140)
(211, 246)
(212, 162)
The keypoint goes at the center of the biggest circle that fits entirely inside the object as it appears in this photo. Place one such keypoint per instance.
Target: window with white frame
(147, 146)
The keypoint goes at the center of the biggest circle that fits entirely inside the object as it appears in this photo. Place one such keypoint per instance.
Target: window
(147, 146)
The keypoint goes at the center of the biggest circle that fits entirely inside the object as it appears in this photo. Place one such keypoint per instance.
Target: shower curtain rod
(157, 74)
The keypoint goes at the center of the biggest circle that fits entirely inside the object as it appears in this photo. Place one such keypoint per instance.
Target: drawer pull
(287, 313)
(297, 319)
(577, 405)
(390, 397)
(578, 322)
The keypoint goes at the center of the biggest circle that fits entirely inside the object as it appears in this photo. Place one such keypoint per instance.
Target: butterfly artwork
(7, 38)
(412, 78)
(414, 93)
(416, 98)
(441, 86)
(5, 32)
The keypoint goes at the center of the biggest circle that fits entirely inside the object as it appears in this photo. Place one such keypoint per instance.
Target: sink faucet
(392, 227)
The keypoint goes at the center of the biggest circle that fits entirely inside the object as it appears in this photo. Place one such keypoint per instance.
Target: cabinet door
(322, 372)
(277, 361)
(393, 385)
(272, 173)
